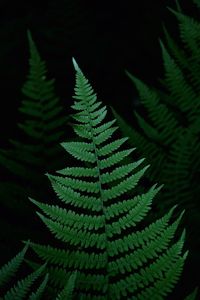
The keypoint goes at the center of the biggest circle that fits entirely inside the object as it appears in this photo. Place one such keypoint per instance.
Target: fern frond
(39, 292)
(99, 219)
(176, 52)
(22, 288)
(193, 295)
(179, 89)
(189, 32)
(9, 270)
(159, 113)
(37, 150)
(41, 103)
(67, 292)
(169, 135)
(190, 37)
(42, 124)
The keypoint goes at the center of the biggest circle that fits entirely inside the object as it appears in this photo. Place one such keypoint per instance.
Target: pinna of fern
(22, 289)
(99, 224)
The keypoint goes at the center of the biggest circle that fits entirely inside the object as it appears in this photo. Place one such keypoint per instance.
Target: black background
(105, 37)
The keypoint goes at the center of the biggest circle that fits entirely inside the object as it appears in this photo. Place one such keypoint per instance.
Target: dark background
(105, 37)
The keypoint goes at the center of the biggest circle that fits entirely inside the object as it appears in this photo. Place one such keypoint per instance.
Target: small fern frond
(193, 295)
(41, 101)
(67, 292)
(42, 124)
(178, 87)
(178, 53)
(159, 113)
(37, 150)
(9, 270)
(22, 288)
(189, 32)
(39, 292)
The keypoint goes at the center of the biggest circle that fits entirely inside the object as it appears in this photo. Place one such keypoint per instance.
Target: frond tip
(76, 67)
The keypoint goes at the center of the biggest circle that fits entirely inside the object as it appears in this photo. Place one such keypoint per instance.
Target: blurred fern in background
(36, 151)
(169, 131)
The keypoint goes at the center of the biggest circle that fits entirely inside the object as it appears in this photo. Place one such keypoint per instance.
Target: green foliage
(35, 152)
(170, 127)
(197, 2)
(22, 289)
(101, 227)
(67, 292)
(193, 295)
(42, 125)
(169, 134)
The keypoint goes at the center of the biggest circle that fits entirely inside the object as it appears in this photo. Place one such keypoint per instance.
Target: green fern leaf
(168, 136)
(42, 126)
(178, 87)
(39, 292)
(193, 295)
(9, 270)
(161, 116)
(98, 222)
(22, 288)
(36, 151)
(67, 292)
(150, 131)
(79, 172)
